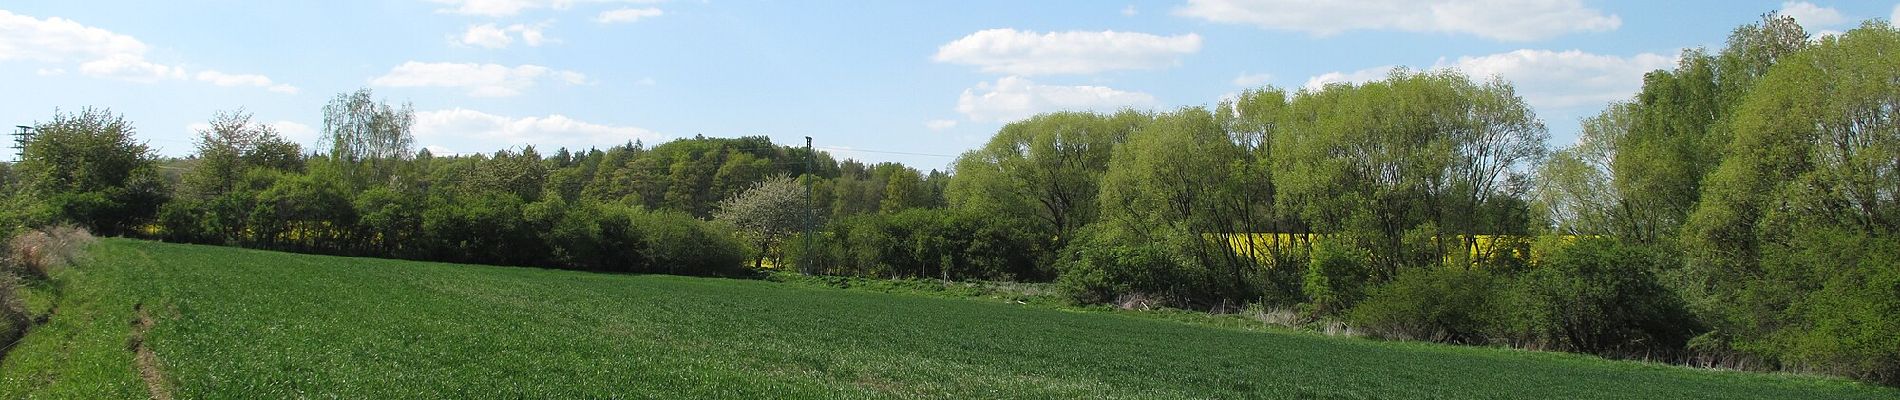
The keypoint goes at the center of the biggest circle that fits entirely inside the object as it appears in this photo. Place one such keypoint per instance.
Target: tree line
(1740, 210)
(364, 190)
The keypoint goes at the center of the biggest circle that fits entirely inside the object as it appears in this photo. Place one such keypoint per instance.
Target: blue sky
(913, 82)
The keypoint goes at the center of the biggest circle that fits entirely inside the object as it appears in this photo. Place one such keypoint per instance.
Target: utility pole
(20, 137)
(810, 160)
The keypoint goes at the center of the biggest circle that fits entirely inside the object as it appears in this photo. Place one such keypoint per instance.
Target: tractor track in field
(146, 361)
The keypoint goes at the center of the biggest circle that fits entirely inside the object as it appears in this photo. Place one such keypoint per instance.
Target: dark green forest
(1742, 210)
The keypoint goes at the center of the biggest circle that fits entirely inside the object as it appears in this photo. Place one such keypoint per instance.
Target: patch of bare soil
(144, 359)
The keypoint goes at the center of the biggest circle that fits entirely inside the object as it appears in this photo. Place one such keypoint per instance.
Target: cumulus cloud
(223, 79)
(1548, 80)
(1564, 79)
(130, 67)
(938, 125)
(1320, 81)
(626, 15)
(96, 52)
(1013, 97)
(1812, 16)
(1014, 52)
(495, 37)
(1246, 79)
(1510, 21)
(479, 80)
(99, 52)
(296, 132)
(504, 8)
(1895, 18)
(470, 130)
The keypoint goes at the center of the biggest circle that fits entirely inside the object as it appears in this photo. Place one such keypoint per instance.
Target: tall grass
(33, 255)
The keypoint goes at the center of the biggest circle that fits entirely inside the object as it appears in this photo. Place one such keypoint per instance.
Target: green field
(234, 323)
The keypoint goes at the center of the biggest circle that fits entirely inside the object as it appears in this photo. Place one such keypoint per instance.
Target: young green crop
(233, 323)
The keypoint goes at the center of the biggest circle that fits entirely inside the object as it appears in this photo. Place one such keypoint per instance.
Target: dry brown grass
(35, 254)
(32, 255)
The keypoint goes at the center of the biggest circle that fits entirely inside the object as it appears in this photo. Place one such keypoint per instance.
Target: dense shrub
(677, 243)
(1439, 304)
(924, 243)
(1845, 323)
(1336, 277)
(86, 168)
(1598, 295)
(1103, 265)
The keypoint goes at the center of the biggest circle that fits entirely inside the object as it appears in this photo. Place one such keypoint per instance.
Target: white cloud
(938, 125)
(1246, 79)
(494, 37)
(625, 15)
(223, 79)
(1523, 20)
(1895, 18)
(58, 39)
(504, 8)
(1014, 97)
(98, 53)
(480, 80)
(486, 35)
(478, 131)
(1320, 81)
(297, 132)
(1548, 80)
(1014, 52)
(130, 67)
(1129, 11)
(1812, 16)
(1553, 80)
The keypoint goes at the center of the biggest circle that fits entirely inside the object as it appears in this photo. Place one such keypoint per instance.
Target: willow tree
(1794, 239)
(1406, 166)
(1680, 126)
(1046, 169)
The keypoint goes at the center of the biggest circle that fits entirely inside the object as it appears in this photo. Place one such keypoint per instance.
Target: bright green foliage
(1045, 169)
(1395, 163)
(368, 328)
(1165, 186)
(1336, 278)
(86, 168)
(1574, 188)
(1792, 245)
(1681, 126)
